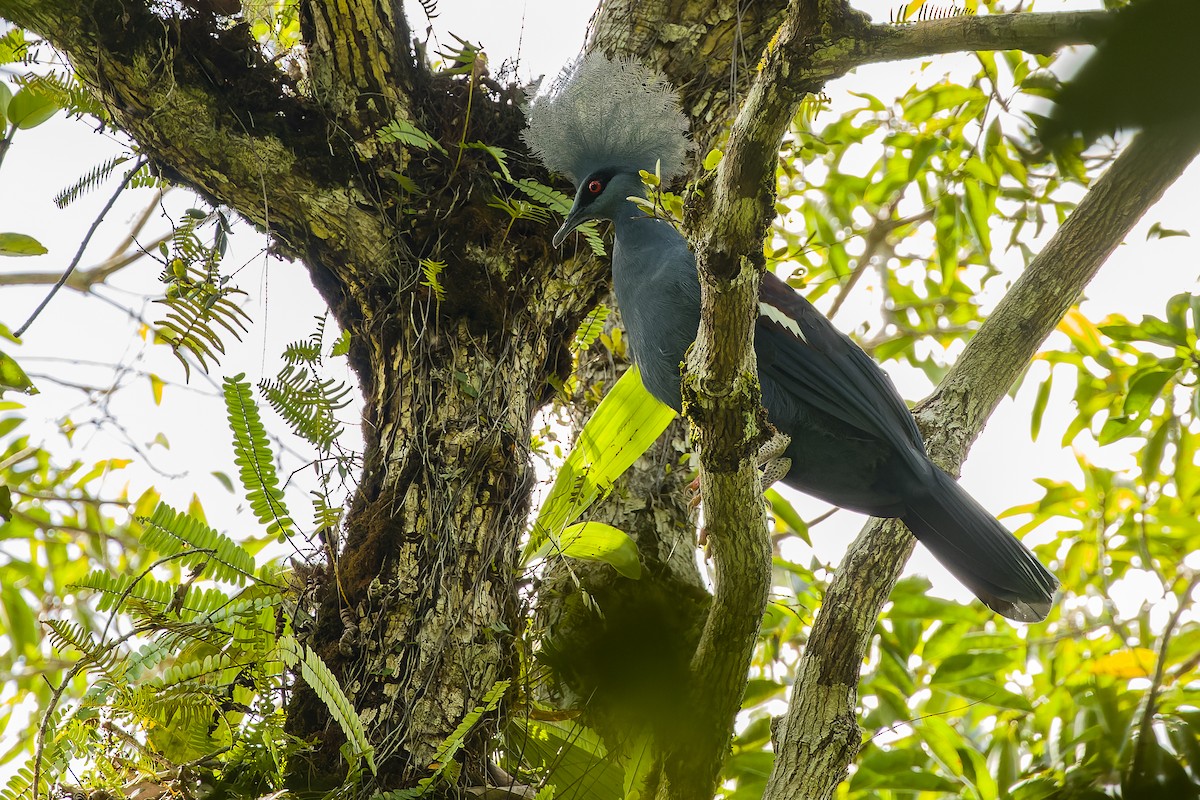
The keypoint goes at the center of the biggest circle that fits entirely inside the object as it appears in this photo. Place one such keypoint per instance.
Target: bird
(847, 436)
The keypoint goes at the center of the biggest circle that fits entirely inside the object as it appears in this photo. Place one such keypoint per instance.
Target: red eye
(595, 186)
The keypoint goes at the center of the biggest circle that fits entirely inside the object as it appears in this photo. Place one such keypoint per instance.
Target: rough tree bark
(415, 611)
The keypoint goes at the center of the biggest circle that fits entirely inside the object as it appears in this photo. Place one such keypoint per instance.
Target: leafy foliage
(93, 178)
(252, 454)
(300, 395)
(149, 638)
(180, 648)
(317, 675)
(558, 202)
(624, 425)
(198, 297)
(444, 758)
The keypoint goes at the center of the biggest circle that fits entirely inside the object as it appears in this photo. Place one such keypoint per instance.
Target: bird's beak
(574, 219)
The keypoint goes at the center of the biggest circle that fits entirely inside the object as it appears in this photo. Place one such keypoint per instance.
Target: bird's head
(606, 119)
(603, 194)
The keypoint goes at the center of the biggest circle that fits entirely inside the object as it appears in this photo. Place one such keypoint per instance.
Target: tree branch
(720, 388)
(358, 50)
(212, 112)
(722, 400)
(82, 280)
(819, 736)
(1137, 775)
(1031, 32)
(87, 238)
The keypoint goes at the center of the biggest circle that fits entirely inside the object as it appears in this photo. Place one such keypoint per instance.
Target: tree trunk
(418, 613)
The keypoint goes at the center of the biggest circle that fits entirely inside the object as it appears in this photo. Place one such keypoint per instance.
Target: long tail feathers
(981, 552)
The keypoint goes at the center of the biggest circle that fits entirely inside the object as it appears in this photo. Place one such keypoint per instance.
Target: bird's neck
(634, 229)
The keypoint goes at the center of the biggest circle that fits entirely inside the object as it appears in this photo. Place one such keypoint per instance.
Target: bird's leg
(769, 459)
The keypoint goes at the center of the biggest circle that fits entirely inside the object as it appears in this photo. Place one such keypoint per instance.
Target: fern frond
(187, 326)
(918, 11)
(455, 740)
(19, 785)
(170, 532)
(451, 745)
(591, 327)
(403, 132)
(318, 676)
(307, 403)
(93, 178)
(145, 178)
(430, 270)
(14, 47)
(197, 297)
(68, 92)
(543, 194)
(115, 590)
(252, 454)
(325, 516)
(103, 658)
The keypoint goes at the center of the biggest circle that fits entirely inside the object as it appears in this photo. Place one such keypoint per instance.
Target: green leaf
(5, 98)
(156, 388)
(342, 346)
(571, 756)
(903, 780)
(255, 458)
(596, 541)
(979, 214)
(224, 480)
(760, 690)
(5, 503)
(786, 518)
(1039, 406)
(713, 159)
(31, 106)
(20, 244)
(1157, 231)
(13, 377)
(1115, 428)
(624, 425)
(984, 690)
(1144, 389)
(318, 676)
(498, 153)
(405, 133)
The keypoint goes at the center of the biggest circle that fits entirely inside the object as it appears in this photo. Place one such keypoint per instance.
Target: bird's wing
(802, 353)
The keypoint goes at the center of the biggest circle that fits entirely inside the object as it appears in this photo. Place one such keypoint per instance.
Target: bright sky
(546, 34)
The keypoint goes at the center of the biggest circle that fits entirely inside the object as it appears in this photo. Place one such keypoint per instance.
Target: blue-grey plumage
(853, 441)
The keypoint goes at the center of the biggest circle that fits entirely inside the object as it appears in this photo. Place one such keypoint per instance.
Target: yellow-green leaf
(596, 541)
(31, 106)
(156, 388)
(1136, 662)
(20, 244)
(624, 425)
(13, 377)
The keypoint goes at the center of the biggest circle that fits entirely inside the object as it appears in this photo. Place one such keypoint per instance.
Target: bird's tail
(980, 552)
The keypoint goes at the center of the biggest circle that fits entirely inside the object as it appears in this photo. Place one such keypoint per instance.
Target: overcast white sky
(545, 34)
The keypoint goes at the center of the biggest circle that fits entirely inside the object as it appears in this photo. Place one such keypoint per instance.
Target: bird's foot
(771, 459)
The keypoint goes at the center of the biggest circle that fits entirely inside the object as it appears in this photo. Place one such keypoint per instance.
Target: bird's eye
(594, 186)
